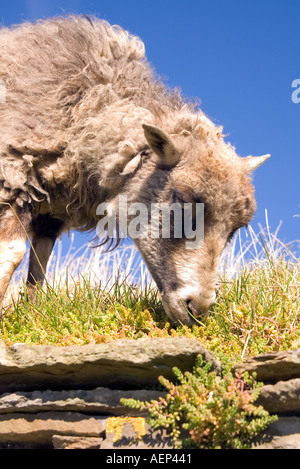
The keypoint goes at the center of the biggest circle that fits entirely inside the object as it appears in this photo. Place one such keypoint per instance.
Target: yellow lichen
(117, 424)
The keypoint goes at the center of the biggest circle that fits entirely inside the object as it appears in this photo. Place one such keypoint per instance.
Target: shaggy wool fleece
(77, 93)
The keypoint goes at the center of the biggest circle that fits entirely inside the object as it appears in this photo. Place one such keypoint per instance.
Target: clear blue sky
(239, 57)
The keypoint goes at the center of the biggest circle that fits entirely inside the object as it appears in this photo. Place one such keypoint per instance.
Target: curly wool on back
(78, 91)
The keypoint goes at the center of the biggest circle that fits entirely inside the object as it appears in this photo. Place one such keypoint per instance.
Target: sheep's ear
(163, 145)
(253, 162)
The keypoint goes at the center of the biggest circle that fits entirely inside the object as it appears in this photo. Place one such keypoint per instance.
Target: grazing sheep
(85, 120)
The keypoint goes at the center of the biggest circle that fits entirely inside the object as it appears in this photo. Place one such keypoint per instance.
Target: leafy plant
(205, 410)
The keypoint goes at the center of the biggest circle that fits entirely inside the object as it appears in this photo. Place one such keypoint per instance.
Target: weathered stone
(76, 442)
(283, 434)
(38, 429)
(282, 442)
(53, 395)
(282, 397)
(103, 401)
(273, 366)
(119, 364)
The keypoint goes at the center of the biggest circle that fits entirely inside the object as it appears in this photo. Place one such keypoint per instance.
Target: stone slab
(39, 429)
(282, 397)
(273, 366)
(103, 401)
(283, 434)
(76, 442)
(124, 363)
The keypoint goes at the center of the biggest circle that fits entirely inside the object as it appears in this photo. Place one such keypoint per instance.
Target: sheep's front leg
(45, 231)
(14, 229)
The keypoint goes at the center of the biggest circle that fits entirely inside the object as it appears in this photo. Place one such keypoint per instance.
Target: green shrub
(212, 411)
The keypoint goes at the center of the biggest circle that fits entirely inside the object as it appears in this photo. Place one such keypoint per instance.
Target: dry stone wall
(69, 397)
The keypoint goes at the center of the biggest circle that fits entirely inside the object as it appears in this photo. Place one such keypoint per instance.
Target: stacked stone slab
(62, 397)
(280, 371)
(67, 397)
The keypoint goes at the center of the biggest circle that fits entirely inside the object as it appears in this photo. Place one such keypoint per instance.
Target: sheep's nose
(199, 306)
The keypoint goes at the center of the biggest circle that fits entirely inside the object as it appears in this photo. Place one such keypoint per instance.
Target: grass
(91, 297)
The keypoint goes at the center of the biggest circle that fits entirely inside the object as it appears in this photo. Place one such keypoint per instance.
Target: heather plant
(208, 411)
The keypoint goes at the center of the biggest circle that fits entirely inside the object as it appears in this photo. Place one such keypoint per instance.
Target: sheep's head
(191, 195)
